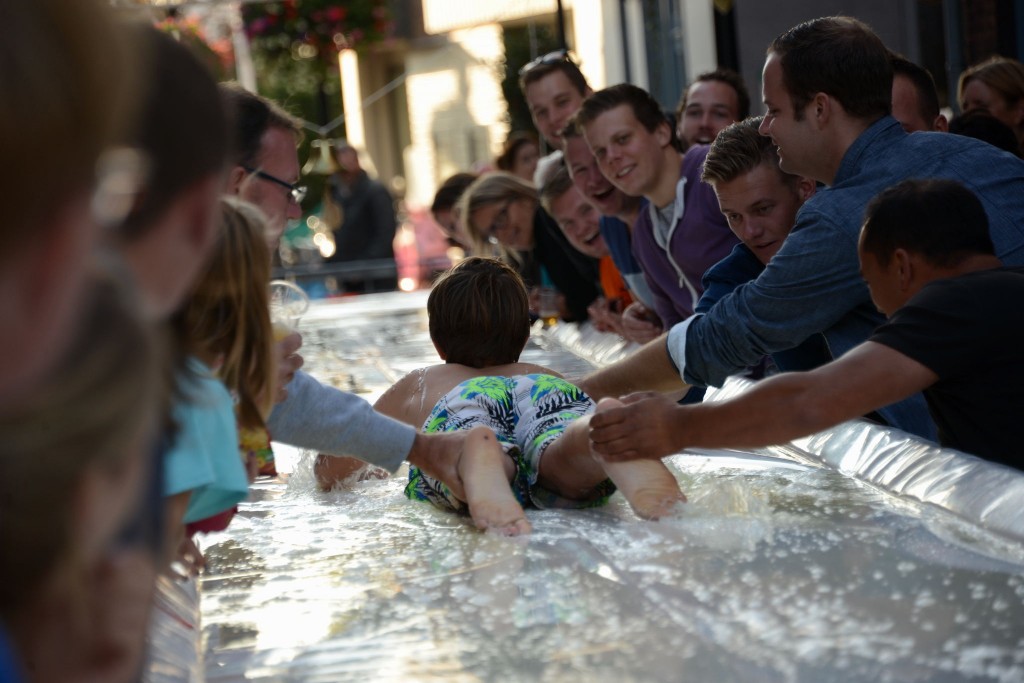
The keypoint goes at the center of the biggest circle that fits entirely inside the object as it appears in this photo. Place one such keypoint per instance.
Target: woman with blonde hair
(996, 85)
(503, 217)
(225, 378)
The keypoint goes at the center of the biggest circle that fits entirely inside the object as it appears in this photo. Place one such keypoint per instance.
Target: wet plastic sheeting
(776, 570)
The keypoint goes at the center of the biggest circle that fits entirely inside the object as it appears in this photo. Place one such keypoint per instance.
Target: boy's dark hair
(479, 313)
(253, 116)
(543, 66)
(924, 85)
(981, 125)
(183, 128)
(730, 78)
(645, 108)
(839, 56)
(451, 189)
(941, 220)
(738, 149)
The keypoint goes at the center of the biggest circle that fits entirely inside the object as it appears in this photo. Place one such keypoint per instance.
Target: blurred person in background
(915, 101)
(65, 79)
(996, 85)
(981, 125)
(368, 224)
(713, 101)
(443, 209)
(519, 156)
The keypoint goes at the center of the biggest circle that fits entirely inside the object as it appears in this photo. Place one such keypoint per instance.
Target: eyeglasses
(499, 224)
(545, 60)
(121, 173)
(295, 192)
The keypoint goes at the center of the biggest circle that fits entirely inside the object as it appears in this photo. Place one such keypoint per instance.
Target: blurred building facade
(428, 103)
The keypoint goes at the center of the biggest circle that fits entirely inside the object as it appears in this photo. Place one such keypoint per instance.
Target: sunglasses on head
(555, 57)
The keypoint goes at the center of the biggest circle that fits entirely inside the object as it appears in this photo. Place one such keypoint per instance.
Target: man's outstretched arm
(321, 418)
(774, 411)
(649, 369)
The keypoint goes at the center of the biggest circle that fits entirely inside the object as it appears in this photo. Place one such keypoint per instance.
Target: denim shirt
(813, 283)
(742, 266)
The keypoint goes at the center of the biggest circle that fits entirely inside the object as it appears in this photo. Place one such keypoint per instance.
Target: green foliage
(295, 45)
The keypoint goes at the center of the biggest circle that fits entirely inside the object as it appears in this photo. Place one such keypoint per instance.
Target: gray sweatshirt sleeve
(327, 420)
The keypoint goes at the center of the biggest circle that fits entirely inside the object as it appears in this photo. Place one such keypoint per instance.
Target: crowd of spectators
(844, 235)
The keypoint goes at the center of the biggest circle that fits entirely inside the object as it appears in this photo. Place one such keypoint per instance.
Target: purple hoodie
(699, 239)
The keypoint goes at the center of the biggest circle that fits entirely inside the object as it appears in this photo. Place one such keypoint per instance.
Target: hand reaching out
(645, 427)
(288, 362)
(640, 324)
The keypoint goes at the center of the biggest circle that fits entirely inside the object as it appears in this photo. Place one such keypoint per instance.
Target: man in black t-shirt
(955, 331)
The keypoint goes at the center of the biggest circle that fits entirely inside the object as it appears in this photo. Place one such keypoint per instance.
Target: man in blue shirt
(927, 257)
(828, 90)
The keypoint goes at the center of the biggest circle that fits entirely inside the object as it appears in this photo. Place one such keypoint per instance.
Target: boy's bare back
(411, 398)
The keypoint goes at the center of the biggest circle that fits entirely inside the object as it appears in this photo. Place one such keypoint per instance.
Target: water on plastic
(774, 571)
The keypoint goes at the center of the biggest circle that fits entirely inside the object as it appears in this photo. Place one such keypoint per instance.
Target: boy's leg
(649, 486)
(570, 469)
(486, 471)
(567, 467)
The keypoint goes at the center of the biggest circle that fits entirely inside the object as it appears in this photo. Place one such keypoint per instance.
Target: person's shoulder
(978, 294)
(695, 154)
(202, 389)
(1010, 279)
(522, 369)
(827, 207)
(741, 262)
(692, 162)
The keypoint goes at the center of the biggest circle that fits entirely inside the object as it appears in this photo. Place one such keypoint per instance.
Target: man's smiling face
(628, 154)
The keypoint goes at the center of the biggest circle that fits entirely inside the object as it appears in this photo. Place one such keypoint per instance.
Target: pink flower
(258, 26)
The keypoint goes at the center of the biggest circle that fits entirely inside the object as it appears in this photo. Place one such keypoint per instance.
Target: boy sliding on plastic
(528, 427)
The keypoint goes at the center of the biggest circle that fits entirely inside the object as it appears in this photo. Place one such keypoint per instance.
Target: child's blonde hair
(228, 312)
(97, 410)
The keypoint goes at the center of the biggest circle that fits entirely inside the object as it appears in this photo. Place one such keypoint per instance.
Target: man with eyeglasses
(266, 170)
(309, 414)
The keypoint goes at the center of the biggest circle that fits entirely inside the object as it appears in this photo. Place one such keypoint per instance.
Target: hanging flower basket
(315, 29)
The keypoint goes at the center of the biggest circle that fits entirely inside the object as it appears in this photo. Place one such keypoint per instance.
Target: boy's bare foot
(649, 486)
(481, 467)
